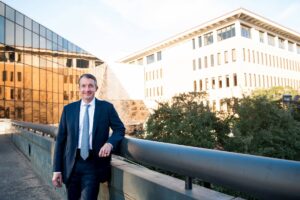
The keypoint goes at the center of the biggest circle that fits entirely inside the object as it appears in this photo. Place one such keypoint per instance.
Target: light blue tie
(85, 139)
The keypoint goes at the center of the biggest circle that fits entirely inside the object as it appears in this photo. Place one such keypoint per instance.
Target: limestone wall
(123, 85)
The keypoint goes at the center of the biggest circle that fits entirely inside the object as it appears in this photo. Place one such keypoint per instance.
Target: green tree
(274, 93)
(262, 127)
(186, 120)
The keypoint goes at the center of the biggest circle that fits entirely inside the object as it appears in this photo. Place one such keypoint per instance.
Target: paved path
(17, 178)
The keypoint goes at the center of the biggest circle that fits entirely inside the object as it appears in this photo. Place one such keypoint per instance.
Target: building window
(71, 78)
(214, 105)
(199, 41)
(220, 81)
(298, 49)
(12, 93)
(245, 31)
(19, 94)
(290, 46)
(193, 42)
(205, 61)
(225, 56)
(158, 55)
(227, 81)
(213, 83)
(208, 38)
(281, 43)
(199, 63)
(2, 29)
(234, 80)
(226, 32)
(271, 40)
(11, 76)
(200, 85)
(233, 55)
(195, 86)
(66, 96)
(212, 62)
(250, 80)
(219, 58)
(150, 59)
(11, 56)
(19, 76)
(65, 79)
(4, 78)
(261, 36)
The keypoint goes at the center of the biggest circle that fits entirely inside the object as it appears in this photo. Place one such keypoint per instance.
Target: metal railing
(44, 130)
(263, 177)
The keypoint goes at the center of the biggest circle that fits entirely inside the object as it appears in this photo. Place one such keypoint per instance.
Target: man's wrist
(111, 146)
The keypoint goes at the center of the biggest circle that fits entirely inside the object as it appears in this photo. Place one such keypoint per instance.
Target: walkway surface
(17, 178)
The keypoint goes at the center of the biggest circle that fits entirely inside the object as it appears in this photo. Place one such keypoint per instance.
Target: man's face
(87, 88)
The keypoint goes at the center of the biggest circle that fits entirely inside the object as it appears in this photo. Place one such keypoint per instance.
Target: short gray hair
(90, 76)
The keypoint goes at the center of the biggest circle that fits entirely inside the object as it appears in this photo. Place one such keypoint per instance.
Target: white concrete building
(226, 57)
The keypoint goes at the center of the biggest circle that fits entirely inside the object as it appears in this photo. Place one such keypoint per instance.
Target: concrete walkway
(17, 178)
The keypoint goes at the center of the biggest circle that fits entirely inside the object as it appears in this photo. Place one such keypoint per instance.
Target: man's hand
(105, 150)
(57, 179)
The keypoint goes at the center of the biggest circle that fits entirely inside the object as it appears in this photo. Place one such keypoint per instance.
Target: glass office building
(39, 69)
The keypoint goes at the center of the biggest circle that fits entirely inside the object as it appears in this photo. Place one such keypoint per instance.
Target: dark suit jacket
(105, 117)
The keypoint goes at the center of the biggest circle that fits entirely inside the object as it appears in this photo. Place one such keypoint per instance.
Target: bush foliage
(258, 124)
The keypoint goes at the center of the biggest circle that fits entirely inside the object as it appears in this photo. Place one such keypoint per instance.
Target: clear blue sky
(112, 29)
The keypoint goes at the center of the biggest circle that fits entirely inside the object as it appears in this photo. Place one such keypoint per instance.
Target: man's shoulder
(72, 105)
(103, 102)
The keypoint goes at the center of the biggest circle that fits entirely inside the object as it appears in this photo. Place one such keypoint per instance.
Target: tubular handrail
(263, 177)
(43, 129)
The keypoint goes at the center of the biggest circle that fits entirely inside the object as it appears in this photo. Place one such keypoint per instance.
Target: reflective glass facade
(39, 69)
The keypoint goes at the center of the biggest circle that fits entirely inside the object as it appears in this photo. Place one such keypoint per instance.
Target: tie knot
(87, 105)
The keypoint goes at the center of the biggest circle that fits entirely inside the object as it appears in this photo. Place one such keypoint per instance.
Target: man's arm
(117, 127)
(59, 152)
(118, 133)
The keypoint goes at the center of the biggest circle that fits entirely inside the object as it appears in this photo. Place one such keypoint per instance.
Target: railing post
(188, 183)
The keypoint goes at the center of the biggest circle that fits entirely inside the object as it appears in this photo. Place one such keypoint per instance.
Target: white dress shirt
(91, 120)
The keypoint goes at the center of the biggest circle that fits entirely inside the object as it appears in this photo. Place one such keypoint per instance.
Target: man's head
(87, 87)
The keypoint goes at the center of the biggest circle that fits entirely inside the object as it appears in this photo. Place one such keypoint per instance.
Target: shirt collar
(92, 103)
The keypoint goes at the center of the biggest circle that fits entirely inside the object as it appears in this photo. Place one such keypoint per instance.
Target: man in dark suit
(83, 145)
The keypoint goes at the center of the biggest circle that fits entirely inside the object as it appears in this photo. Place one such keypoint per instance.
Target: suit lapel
(76, 115)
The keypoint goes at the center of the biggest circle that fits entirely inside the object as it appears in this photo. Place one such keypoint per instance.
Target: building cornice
(240, 14)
